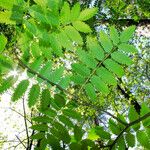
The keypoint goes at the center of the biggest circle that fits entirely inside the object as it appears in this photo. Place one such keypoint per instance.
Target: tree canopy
(81, 82)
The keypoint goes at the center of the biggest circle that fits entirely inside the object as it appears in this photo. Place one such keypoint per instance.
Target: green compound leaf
(105, 41)
(87, 14)
(20, 90)
(127, 48)
(114, 35)
(3, 42)
(121, 58)
(126, 35)
(75, 12)
(33, 95)
(82, 27)
(90, 91)
(114, 67)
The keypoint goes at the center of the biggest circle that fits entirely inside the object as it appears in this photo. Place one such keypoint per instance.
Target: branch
(94, 70)
(127, 94)
(11, 141)
(31, 142)
(15, 145)
(25, 122)
(128, 126)
(19, 114)
(119, 120)
(127, 22)
(21, 141)
(147, 67)
(38, 75)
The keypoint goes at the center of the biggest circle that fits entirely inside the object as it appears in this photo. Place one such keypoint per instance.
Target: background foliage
(86, 104)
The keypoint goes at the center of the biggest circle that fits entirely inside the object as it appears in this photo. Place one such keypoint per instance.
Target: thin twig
(25, 122)
(19, 114)
(20, 141)
(119, 120)
(15, 145)
(147, 67)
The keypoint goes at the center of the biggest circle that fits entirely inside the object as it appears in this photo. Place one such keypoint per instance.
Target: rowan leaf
(82, 27)
(95, 49)
(143, 139)
(20, 90)
(105, 41)
(74, 35)
(100, 85)
(106, 76)
(130, 139)
(3, 42)
(114, 67)
(6, 84)
(33, 95)
(87, 14)
(121, 58)
(75, 12)
(114, 35)
(65, 13)
(90, 91)
(126, 34)
(127, 48)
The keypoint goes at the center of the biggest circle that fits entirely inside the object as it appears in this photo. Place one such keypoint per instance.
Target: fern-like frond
(101, 64)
